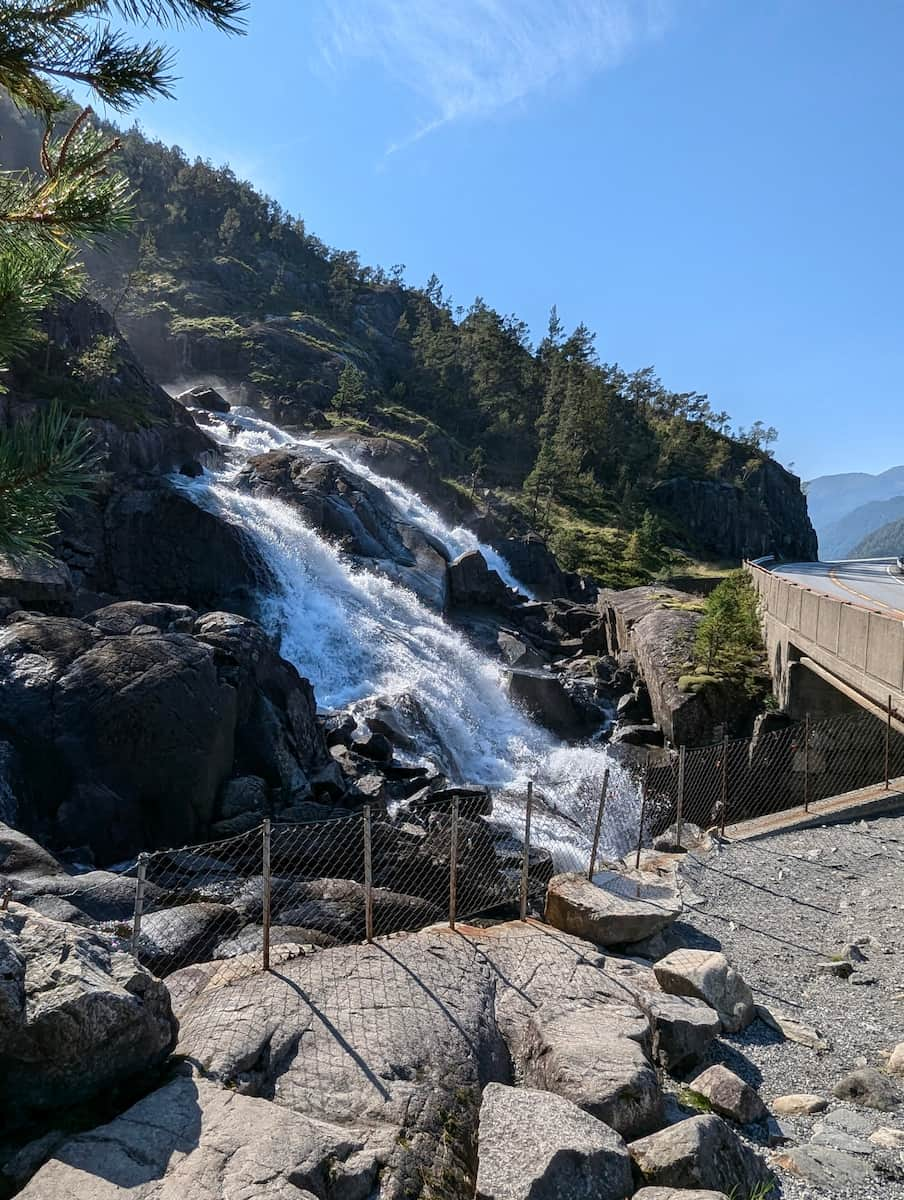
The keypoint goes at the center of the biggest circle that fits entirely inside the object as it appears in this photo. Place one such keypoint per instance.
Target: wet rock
(544, 697)
(618, 907)
(871, 1088)
(638, 735)
(536, 1146)
(709, 976)
(729, 1095)
(204, 397)
(518, 653)
(701, 1152)
(473, 584)
(77, 1015)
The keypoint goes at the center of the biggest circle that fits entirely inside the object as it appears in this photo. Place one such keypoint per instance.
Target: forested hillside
(217, 281)
(882, 543)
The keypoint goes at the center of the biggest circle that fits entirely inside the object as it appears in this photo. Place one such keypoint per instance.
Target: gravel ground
(777, 906)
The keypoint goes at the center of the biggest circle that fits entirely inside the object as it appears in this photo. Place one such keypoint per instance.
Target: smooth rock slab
(709, 976)
(729, 1095)
(536, 1146)
(701, 1152)
(77, 1015)
(617, 908)
(192, 1139)
(824, 1166)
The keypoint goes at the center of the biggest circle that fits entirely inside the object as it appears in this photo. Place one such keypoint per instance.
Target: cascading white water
(358, 636)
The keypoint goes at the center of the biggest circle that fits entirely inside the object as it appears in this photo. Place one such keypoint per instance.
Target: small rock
(729, 1095)
(869, 1087)
(700, 1152)
(682, 1028)
(667, 1193)
(798, 1104)
(537, 1146)
(863, 980)
(778, 1132)
(709, 976)
(842, 969)
(791, 1028)
(852, 952)
(896, 1060)
(888, 1139)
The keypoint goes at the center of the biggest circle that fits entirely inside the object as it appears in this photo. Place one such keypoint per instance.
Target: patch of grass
(695, 683)
(696, 1100)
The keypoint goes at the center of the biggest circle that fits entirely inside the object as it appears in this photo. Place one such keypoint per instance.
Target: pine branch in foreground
(45, 462)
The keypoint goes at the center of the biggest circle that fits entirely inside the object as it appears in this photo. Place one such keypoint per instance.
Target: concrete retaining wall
(861, 647)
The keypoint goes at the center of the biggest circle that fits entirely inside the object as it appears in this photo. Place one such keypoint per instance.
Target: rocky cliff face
(768, 515)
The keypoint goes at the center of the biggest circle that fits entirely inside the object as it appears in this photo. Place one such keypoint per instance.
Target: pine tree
(76, 197)
(351, 395)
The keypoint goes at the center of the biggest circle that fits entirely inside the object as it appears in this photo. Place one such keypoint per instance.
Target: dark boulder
(204, 397)
(535, 565)
(40, 583)
(473, 584)
(544, 697)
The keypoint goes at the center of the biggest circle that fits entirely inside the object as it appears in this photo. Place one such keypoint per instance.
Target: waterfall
(359, 636)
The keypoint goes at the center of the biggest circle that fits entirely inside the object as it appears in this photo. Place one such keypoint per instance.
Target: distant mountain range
(845, 509)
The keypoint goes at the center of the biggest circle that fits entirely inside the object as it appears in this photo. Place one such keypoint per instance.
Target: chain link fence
(331, 882)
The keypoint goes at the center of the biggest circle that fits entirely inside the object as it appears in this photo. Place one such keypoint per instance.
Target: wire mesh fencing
(360, 876)
(793, 766)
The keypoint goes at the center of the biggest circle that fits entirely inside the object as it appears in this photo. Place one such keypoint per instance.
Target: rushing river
(359, 637)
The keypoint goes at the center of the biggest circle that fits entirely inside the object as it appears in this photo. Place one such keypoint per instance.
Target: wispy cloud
(471, 58)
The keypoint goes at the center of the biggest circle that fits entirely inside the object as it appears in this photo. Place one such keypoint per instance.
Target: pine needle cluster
(76, 197)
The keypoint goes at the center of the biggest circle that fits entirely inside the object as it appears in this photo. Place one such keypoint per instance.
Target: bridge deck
(873, 801)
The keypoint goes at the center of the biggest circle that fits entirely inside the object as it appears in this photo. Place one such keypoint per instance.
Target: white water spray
(359, 636)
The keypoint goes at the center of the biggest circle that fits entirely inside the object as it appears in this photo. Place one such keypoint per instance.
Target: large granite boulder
(37, 582)
(682, 1028)
(193, 1139)
(396, 1040)
(617, 907)
(598, 1059)
(729, 1095)
(709, 976)
(127, 732)
(77, 1015)
(536, 1146)
(701, 1152)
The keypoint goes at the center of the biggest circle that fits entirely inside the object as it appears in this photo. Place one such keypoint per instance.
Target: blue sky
(714, 186)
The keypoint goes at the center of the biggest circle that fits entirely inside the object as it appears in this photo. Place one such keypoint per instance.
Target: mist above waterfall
(360, 636)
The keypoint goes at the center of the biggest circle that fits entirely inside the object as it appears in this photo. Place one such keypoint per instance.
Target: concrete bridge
(834, 635)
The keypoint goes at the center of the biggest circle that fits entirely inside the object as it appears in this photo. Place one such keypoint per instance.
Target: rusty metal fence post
(679, 807)
(368, 877)
(525, 860)
(140, 881)
(643, 814)
(724, 798)
(807, 763)
(888, 746)
(265, 897)
(453, 864)
(591, 870)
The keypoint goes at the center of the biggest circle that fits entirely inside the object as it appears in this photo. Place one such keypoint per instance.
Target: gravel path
(779, 905)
